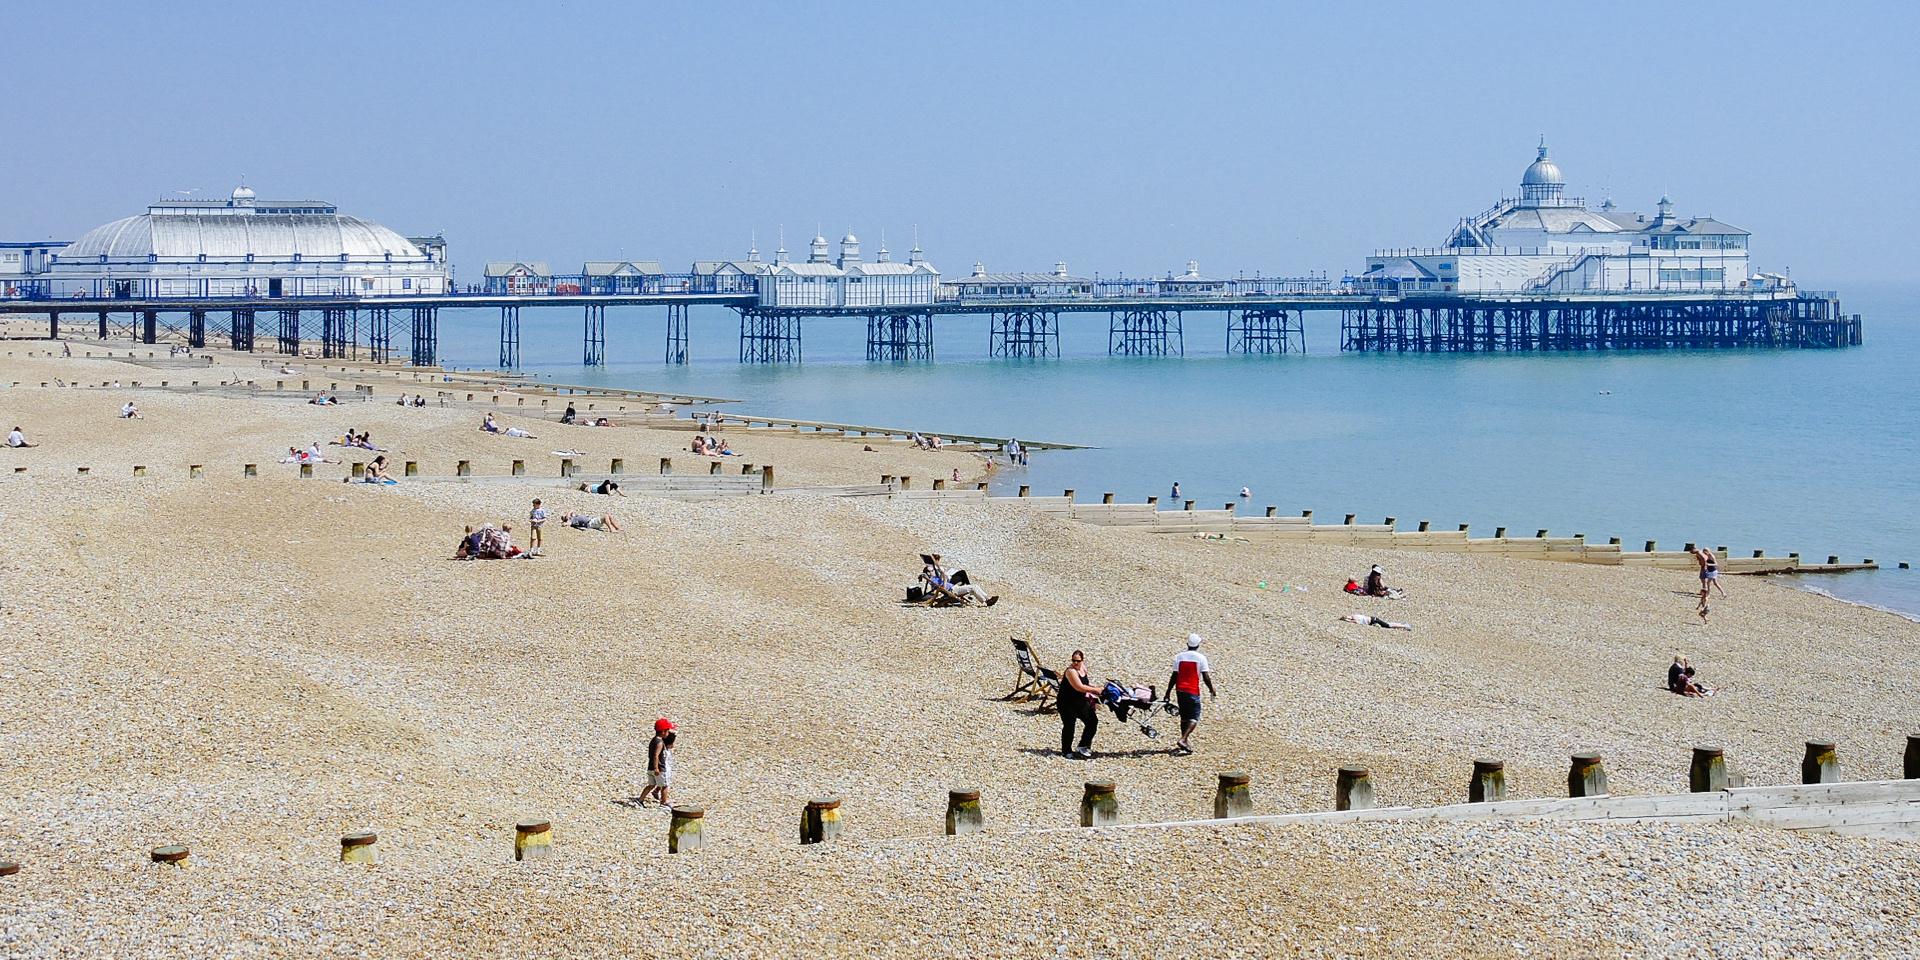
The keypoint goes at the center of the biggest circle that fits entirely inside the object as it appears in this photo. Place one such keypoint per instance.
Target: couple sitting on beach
(708, 448)
(1376, 586)
(927, 443)
(363, 440)
(489, 425)
(1680, 680)
(310, 455)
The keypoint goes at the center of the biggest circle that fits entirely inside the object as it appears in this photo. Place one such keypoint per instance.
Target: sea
(1807, 451)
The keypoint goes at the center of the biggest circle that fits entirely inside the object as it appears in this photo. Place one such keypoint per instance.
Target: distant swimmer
(1175, 495)
(1245, 493)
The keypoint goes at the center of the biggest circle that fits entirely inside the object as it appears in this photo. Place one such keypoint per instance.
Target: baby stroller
(1137, 702)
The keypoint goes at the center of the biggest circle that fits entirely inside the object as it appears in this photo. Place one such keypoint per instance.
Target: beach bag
(915, 595)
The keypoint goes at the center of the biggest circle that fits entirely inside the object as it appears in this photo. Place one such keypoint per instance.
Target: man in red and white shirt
(1190, 669)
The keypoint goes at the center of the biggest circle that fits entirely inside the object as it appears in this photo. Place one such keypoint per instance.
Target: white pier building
(1546, 242)
(245, 247)
(847, 282)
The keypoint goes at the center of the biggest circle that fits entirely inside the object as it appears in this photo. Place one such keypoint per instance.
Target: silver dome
(1542, 172)
(265, 236)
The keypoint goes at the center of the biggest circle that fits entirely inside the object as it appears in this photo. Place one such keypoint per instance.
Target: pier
(1144, 319)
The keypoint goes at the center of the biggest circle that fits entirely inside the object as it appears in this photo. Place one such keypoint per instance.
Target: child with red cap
(659, 761)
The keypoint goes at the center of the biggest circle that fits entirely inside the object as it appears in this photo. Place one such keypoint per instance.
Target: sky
(1123, 139)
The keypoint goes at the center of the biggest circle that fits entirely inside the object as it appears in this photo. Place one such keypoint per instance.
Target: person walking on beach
(1709, 579)
(1077, 701)
(536, 519)
(1190, 669)
(659, 761)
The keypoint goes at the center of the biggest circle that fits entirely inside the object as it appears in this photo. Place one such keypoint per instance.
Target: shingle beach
(254, 667)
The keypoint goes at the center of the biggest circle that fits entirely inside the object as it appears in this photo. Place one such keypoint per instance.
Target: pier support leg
(1024, 333)
(1145, 333)
(240, 329)
(336, 340)
(1266, 331)
(425, 351)
(197, 329)
(769, 336)
(593, 350)
(53, 324)
(900, 337)
(149, 322)
(290, 332)
(380, 334)
(103, 325)
(677, 333)
(510, 338)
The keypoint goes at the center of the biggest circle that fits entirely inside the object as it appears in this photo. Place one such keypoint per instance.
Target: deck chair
(1033, 681)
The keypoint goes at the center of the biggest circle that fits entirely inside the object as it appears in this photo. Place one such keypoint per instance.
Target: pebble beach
(256, 666)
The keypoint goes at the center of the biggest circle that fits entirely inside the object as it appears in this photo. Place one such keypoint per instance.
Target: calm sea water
(1790, 451)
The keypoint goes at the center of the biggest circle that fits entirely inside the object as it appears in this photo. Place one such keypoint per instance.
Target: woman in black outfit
(1078, 701)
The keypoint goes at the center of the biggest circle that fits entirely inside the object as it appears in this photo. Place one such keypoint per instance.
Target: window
(203, 258)
(296, 258)
(406, 283)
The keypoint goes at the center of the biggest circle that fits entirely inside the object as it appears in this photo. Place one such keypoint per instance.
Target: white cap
(1193, 641)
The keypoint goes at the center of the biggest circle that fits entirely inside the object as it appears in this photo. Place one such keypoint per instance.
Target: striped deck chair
(1033, 681)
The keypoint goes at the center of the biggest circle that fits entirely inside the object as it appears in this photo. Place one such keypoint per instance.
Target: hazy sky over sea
(1118, 137)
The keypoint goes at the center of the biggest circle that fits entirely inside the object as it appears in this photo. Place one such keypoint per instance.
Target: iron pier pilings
(149, 325)
(337, 338)
(239, 329)
(380, 334)
(677, 333)
(1145, 333)
(900, 335)
(290, 332)
(196, 328)
(510, 337)
(769, 336)
(1266, 331)
(593, 349)
(425, 346)
(1021, 333)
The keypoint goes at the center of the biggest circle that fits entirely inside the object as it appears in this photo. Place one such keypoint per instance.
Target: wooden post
(666, 466)
(358, 847)
(820, 822)
(766, 479)
(171, 856)
(1308, 514)
(1424, 526)
(1106, 498)
(1025, 490)
(306, 471)
(1688, 548)
(1613, 541)
(939, 484)
(250, 470)
(196, 471)
(359, 469)
(713, 469)
(1821, 764)
(139, 471)
(1270, 511)
(618, 465)
(463, 469)
(1832, 560)
(1233, 798)
(1587, 777)
(1069, 495)
(532, 839)
(8, 868)
(1499, 533)
(1230, 508)
(1489, 781)
(519, 468)
(1650, 546)
(413, 468)
(1463, 527)
(906, 482)
(1709, 772)
(1912, 771)
(1187, 505)
(1153, 502)
(963, 812)
(688, 830)
(1349, 520)
(566, 466)
(1098, 808)
(1542, 535)
(83, 471)
(1390, 522)
(1353, 790)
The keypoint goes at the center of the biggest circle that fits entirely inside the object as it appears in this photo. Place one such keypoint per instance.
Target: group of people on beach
(363, 440)
(572, 418)
(418, 400)
(1079, 699)
(706, 447)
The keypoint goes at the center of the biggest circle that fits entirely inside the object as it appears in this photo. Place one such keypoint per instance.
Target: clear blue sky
(1118, 137)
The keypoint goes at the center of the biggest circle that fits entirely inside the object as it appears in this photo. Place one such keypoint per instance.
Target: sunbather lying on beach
(604, 487)
(582, 521)
(517, 432)
(1368, 620)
